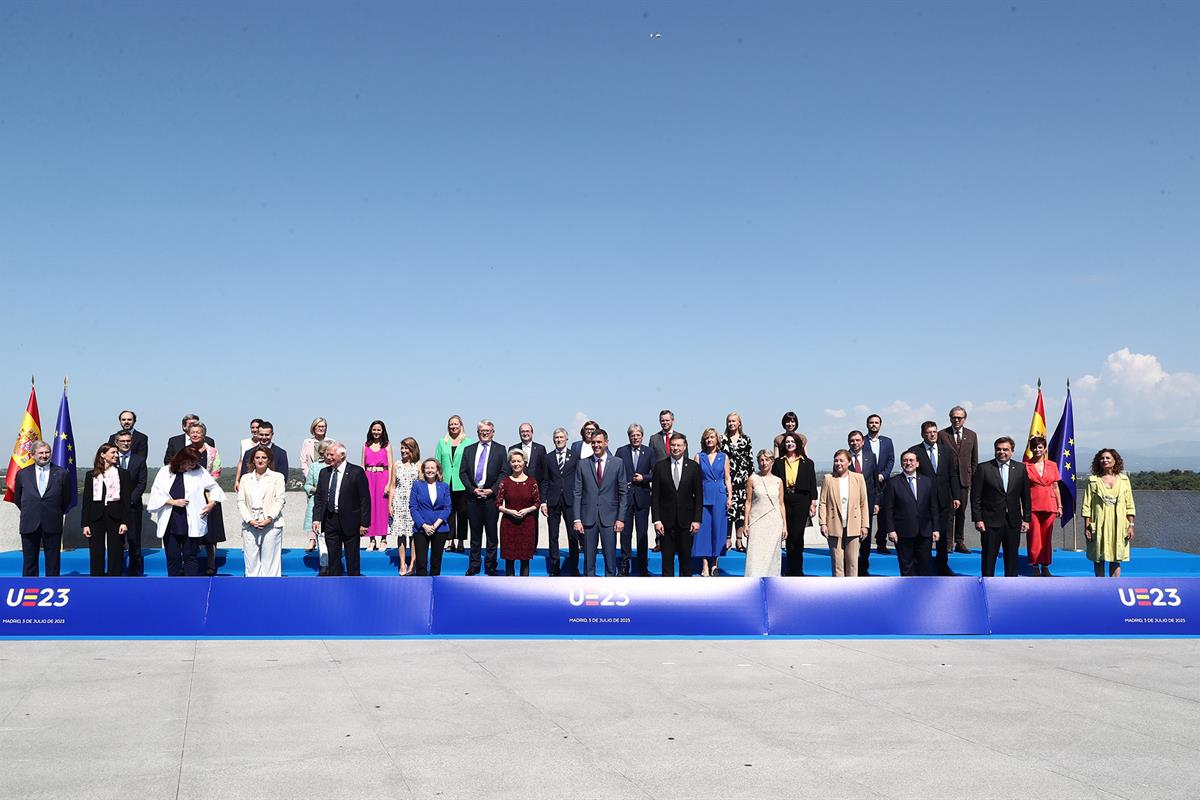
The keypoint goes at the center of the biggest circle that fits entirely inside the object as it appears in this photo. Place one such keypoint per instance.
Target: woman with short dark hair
(1045, 503)
(181, 500)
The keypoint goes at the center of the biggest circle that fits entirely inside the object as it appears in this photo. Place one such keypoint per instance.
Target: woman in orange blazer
(844, 515)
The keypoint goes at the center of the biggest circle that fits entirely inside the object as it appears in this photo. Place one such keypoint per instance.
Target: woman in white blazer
(260, 502)
(181, 498)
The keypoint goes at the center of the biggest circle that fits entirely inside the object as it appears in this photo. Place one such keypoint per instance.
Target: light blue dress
(714, 520)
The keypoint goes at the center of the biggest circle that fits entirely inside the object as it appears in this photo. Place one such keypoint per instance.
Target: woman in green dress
(449, 454)
(1108, 513)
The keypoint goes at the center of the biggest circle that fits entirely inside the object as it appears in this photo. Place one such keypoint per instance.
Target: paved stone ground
(598, 719)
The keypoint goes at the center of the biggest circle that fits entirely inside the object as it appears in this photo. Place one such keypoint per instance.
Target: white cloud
(836, 413)
(861, 411)
(901, 413)
(580, 419)
(1087, 383)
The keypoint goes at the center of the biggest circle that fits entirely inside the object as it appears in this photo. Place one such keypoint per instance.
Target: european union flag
(1062, 450)
(62, 449)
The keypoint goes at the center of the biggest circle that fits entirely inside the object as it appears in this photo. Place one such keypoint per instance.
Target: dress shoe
(946, 573)
(962, 548)
(323, 572)
(882, 549)
(1046, 572)
(656, 549)
(471, 572)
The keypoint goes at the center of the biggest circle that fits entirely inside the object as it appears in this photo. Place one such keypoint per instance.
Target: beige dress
(764, 528)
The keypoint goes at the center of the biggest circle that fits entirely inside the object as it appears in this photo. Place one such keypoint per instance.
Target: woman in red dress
(1046, 505)
(518, 500)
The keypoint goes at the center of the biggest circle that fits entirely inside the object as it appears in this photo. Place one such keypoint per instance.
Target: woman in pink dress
(377, 461)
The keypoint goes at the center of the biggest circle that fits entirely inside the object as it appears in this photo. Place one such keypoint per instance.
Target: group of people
(478, 492)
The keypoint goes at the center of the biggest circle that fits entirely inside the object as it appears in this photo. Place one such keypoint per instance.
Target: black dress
(216, 523)
(177, 524)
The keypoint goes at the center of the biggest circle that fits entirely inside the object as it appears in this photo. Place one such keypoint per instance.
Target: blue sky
(538, 211)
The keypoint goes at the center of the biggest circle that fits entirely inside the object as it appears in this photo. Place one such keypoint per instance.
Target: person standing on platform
(266, 438)
(1001, 508)
(483, 465)
(180, 440)
(42, 492)
(765, 528)
(885, 460)
(342, 511)
(799, 478)
(517, 500)
(324, 459)
(248, 444)
(318, 433)
(583, 447)
(862, 462)
(844, 513)
(910, 517)
(963, 442)
(660, 445)
(260, 502)
(935, 460)
(1045, 504)
(105, 512)
(639, 467)
(429, 506)
(141, 443)
(379, 463)
(534, 452)
(790, 423)
(677, 504)
(449, 453)
(711, 541)
(182, 498)
(400, 522)
(735, 444)
(1108, 513)
(135, 465)
(210, 459)
(558, 503)
(601, 503)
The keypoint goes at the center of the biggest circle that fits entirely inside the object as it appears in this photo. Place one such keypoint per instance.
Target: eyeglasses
(958, 419)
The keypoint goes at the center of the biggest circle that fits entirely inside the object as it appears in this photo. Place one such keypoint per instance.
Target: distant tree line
(1176, 479)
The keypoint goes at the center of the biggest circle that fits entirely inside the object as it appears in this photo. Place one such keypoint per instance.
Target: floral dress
(741, 466)
(400, 522)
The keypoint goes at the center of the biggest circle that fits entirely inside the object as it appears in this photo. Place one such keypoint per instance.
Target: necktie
(857, 463)
(333, 490)
(562, 456)
(43, 479)
(675, 473)
(912, 484)
(599, 471)
(124, 460)
(480, 463)
(1004, 476)
(933, 457)
(957, 436)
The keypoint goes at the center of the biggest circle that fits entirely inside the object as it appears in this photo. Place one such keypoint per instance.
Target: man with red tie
(862, 461)
(601, 503)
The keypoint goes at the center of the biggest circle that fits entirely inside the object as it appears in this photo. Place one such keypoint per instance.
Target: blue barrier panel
(597, 607)
(875, 606)
(95, 607)
(319, 607)
(1094, 607)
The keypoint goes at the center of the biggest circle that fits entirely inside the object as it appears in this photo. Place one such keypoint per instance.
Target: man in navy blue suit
(483, 465)
(862, 461)
(557, 488)
(601, 502)
(266, 435)
(535, 453)
(910, 517)
(42, 492)
(135, 465)
(639, 468)
(885, 460)
(936, 461)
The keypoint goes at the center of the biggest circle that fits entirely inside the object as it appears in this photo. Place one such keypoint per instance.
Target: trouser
(945, 543)
(458, 515)
(428, 563)
(958, 516)
(182, 555)
(510, 566)
(992, 539)
(50, 544)
(797, 520)
(105, 539)
(864, 550)
(844, 552)
(641, 519)
(338, 540)
(676, 543)
(914, 555)
(555, 515)
(603, 536)
(483, 516)
(262, 550)
(133, 541)
(1041, 531)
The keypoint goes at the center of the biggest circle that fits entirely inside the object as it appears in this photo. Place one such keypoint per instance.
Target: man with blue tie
(601, 501)
(862, 461)
(483, 465)
(936, 461)
(639, 466)
(910, 517)
(557, 488)
(1000, 506)
(885, 459)
(135, 465)
(42, 492)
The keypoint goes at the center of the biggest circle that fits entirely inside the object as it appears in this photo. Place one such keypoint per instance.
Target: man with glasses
(483, 465)
(141, 443)
(963, 442)
(135, 465)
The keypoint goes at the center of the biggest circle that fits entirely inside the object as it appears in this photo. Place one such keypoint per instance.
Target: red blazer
(1042, 495)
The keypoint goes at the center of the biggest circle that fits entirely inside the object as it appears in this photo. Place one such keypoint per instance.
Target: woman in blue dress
(712, 540)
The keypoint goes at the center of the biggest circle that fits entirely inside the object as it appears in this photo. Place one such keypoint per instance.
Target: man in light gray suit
(600, 504)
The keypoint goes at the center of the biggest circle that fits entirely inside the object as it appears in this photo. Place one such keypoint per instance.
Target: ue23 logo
(40, 598)
(1150, 597)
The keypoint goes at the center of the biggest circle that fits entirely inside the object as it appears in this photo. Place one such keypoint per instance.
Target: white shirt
(340, 472)
(601, 466)
(874, 445)
(432, 493)
(844, 495)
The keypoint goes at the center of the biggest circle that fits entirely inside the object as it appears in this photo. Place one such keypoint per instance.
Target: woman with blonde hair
(765, 528)
(449, 455)
(736, 444)
(429, 506)
(319, 432)
(712, 540)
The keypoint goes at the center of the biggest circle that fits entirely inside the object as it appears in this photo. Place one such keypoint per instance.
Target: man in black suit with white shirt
(1000, 506)
(676, 501)
(484, 463)
(342, 511)
(936, 461)
(557, 488)
(910, 517)
(135, 465)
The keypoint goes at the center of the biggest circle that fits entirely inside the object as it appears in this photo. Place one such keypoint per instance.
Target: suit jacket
(424, 512)
(886, 460)
(42, 512)
(137, 472)
(994, 506)
(806, 480)
(909, 516)
(177, 443)
(93, 510)
(281, 464)
(966, 456)
(662, 447)
(497, 467)
(869, 471)
(140, 444)
(557, 486)
(639, 493)
(354, 500)
(537, 461)
(605, 502)
(273, 497)
(677, 508)
(947, 471)
(858, 511)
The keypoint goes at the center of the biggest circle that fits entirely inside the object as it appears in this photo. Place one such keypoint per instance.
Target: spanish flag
(1037, 427)
(22, 454)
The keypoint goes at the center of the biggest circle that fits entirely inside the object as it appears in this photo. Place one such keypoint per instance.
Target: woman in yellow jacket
(844, 515)
(1108, 513)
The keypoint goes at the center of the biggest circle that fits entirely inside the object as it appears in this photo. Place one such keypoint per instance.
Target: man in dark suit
(677, 500)
(862, 461)
(42, 492)
(135, 465)
(936, 461)
(342, 511)
(963, 442)
(266, 436)
(483, 465)
(885, 459)
(910, 517)
(557, 488)
(141, 443)
(601, 503)
(535, 453)
(1000, 507)
(660, 443)
(639, 468)
(180, 441)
